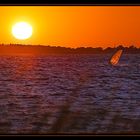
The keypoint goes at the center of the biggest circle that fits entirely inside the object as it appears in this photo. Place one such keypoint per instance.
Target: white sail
(115, 58)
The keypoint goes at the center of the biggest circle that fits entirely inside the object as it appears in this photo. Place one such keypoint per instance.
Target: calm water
(69, 94)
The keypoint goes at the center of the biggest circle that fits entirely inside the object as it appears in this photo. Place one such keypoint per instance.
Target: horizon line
(120, 45)
(56, 46)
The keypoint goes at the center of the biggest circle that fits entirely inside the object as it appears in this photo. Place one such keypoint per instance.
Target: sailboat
(116, 57)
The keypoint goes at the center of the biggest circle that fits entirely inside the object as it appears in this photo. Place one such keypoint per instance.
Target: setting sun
(22, 30)
(71, 26)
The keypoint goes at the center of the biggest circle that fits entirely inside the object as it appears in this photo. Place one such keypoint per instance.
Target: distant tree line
(67, 50)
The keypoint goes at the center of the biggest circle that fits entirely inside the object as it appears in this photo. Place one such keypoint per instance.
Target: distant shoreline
(44, 50)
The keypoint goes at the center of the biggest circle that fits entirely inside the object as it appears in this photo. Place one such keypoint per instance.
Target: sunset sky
(73, 26)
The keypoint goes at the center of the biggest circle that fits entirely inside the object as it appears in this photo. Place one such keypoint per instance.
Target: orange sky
(74, 26)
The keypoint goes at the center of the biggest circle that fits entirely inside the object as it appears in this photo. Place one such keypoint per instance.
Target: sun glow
(22, 30)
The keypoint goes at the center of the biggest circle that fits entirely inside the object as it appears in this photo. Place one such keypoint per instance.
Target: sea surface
(69, 94)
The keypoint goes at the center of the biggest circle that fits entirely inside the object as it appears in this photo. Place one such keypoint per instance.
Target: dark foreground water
(69, 94)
